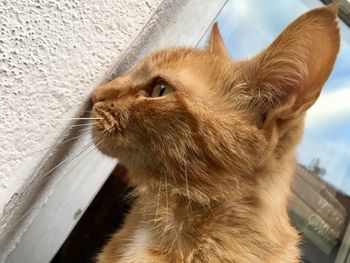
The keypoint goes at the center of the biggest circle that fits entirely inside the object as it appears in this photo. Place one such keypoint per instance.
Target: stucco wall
(52, 53)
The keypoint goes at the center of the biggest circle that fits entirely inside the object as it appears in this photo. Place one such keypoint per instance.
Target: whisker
(58, 146)
(70, 159)
(84, 118)
(82, 129)
(162, 43)
(166, 199)
(158, 198)
(187, 190)
(65, 119)
(178, 39)
(83, 124)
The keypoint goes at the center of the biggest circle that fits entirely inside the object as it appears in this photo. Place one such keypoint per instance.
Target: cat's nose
(105, 92)
(100, 93)
(94, 97)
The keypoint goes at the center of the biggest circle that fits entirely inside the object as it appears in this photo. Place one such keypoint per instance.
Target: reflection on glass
(320, 205)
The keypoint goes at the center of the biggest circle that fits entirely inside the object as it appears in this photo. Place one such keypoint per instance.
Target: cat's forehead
(172, 57)
(195, 72)
(178, 65)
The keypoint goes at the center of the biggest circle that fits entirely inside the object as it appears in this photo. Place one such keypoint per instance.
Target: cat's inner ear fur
(287, 77)
(216, 44)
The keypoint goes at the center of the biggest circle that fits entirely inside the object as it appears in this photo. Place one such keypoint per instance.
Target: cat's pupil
(161, 90)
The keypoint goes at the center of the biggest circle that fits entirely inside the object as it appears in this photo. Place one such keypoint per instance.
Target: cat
(210, 145)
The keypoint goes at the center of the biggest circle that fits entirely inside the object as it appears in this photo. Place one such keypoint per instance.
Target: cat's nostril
(93, 99)
(96, 97)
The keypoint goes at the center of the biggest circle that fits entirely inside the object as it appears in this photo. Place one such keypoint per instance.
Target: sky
(247, 27)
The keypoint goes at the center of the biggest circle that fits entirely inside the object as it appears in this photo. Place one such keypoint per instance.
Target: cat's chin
(108, 152)
(109, 147)
(103, 144)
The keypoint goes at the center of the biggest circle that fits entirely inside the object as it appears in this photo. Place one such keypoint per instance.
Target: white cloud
(330, 107)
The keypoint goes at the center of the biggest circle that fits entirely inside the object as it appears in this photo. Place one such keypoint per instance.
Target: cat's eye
(160, 89)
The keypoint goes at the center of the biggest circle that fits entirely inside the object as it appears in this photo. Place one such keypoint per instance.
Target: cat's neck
(175, 219)
(259, 212)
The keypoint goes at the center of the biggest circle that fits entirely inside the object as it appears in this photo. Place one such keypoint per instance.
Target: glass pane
(320, 205)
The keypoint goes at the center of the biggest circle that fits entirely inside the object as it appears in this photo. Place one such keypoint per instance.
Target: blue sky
(247, 27)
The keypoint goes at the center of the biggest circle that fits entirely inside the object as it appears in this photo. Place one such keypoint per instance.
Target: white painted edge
(67, 203)
(344, 250)
(53, 215)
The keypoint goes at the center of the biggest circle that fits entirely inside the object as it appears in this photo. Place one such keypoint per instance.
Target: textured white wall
(52, 53)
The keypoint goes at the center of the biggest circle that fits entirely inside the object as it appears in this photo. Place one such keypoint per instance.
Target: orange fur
(212, 160)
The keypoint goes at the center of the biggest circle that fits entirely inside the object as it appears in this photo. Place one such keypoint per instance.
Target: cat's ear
(291, 72)
(216, 44)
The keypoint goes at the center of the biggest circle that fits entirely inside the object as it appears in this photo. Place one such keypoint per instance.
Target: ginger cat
(210, 146)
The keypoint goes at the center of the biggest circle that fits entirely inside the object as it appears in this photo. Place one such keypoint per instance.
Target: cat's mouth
(106, 129)
(107, 119)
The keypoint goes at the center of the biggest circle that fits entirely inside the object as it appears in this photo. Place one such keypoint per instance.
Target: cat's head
(188, 112)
